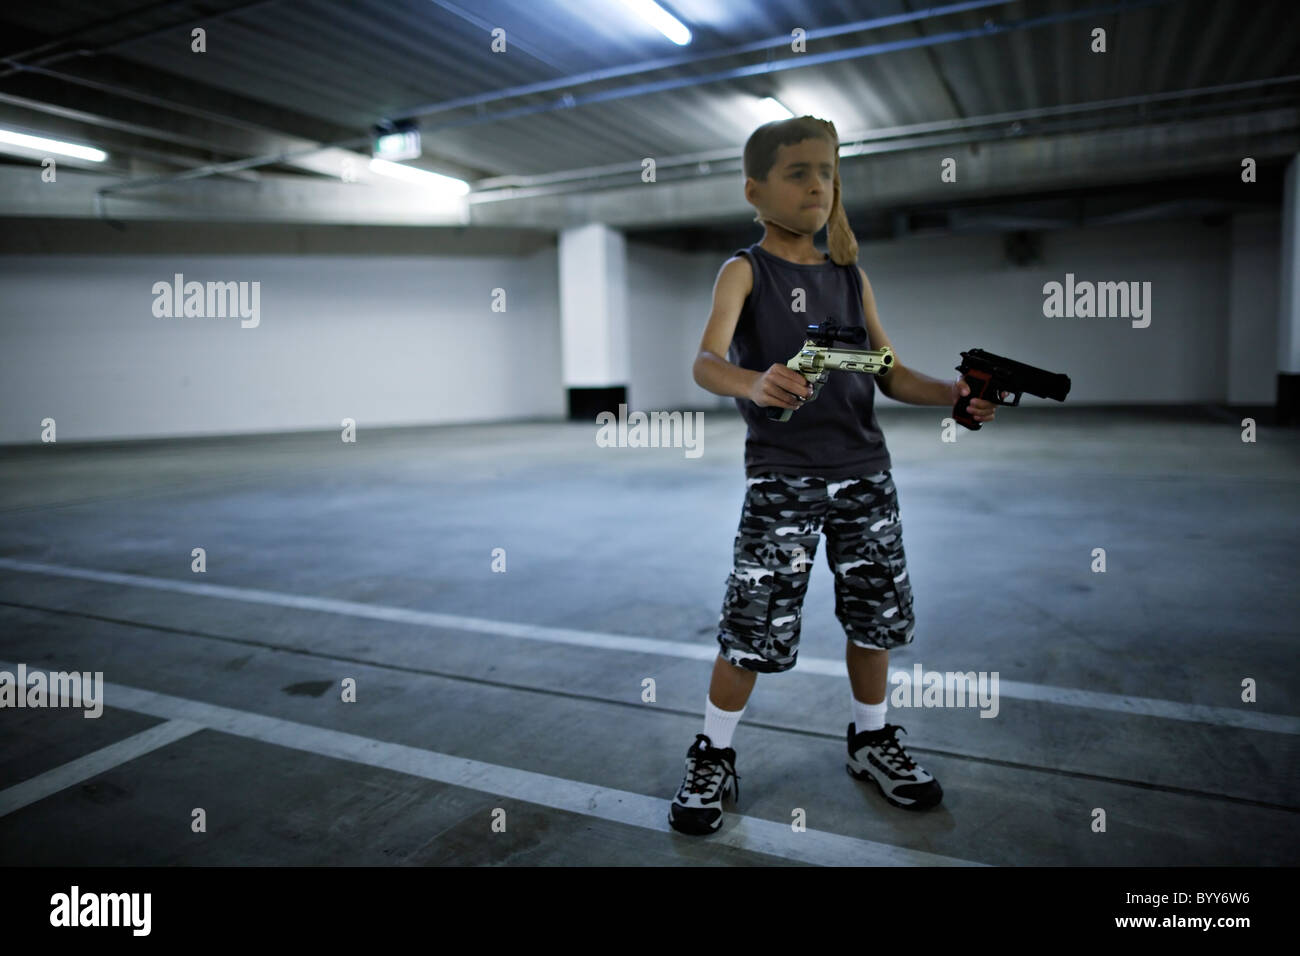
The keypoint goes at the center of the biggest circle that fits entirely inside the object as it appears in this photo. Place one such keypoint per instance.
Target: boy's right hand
(780, 387)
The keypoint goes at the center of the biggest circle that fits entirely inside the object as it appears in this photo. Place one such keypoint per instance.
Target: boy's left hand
(979, 409)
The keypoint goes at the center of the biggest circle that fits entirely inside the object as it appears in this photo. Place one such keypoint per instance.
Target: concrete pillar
(593, 319)
(1253, 243)
(1288, 335)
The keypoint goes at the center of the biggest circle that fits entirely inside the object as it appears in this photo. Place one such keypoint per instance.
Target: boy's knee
(866, 648)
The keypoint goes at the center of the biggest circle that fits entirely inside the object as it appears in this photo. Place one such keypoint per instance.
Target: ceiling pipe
(15, 67)
(989, 28)
(663, 63)
(568, 81)
(890, 139)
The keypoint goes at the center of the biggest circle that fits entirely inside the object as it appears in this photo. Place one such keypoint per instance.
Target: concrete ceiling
(553, 131)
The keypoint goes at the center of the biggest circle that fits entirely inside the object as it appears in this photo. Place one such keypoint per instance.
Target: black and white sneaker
(710, 775)
(878, 756)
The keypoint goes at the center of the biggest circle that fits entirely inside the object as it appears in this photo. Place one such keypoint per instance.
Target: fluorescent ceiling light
(661, 20)
(772, 109)
(421, 177)
(42, 145)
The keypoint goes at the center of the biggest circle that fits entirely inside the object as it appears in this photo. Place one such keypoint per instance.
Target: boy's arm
(777, 386)
(900, 383)
(711, 370)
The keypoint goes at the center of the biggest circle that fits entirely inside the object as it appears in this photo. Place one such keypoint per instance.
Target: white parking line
(826, 667)
(93, 764)
(184, 716)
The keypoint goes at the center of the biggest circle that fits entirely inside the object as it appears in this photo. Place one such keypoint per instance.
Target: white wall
(386, 340)
(669, 298)
(396, 340)
(1210, 339)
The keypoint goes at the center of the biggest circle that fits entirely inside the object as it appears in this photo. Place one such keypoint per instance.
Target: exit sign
(398, 146)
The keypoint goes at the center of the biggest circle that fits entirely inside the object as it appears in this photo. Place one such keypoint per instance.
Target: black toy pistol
(989, 375)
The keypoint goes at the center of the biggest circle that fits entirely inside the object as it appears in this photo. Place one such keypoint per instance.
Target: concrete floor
(224, 693)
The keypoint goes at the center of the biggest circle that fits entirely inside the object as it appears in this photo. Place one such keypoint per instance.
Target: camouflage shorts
(780, 525)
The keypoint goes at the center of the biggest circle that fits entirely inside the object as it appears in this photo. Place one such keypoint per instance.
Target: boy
(827, 467)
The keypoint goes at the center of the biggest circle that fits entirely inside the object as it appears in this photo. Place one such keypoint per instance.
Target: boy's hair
(760, 155)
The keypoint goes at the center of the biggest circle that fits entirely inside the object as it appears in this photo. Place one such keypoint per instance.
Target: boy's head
(792, 177)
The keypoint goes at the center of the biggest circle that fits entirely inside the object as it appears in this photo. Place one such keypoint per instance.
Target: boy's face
(800, 186)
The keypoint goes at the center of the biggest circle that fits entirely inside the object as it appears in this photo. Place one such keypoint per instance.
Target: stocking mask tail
(839, 237)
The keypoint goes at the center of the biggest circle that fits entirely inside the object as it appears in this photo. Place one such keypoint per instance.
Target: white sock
(868, 716)
(720, 724)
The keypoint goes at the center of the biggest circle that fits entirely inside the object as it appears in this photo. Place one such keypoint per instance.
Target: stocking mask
(839, 237)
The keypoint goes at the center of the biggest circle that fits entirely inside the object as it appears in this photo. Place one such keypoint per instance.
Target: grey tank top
(835, 436)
